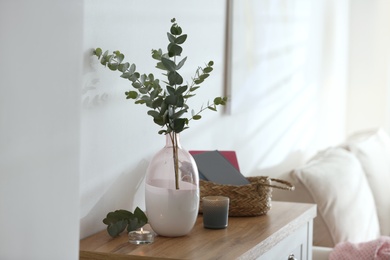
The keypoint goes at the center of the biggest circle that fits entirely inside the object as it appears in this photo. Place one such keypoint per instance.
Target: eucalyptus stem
(175, 149)
(167, 105)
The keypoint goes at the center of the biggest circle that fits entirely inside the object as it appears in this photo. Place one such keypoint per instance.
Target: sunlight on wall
(369, 94)
(276, 64)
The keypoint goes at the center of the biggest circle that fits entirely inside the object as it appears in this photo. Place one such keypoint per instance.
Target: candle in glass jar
(215, 211)
(141, 237)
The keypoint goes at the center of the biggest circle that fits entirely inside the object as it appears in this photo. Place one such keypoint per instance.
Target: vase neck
(171, 139)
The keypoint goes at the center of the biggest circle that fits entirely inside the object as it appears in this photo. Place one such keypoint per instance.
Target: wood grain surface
(244, 238)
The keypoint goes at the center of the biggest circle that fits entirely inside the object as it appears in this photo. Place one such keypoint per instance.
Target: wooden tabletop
(244, 238)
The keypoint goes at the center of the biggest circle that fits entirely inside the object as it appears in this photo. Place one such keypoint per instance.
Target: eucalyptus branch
(213, 107)
(168, 106)
(119, 220)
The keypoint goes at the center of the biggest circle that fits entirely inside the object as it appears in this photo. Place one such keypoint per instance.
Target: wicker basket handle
(288, 185)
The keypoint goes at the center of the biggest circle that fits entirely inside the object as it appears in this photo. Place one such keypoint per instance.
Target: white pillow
(346, 209)
(372, 148)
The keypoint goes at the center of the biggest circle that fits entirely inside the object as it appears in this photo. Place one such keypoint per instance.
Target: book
(229, 155)
(213, 166)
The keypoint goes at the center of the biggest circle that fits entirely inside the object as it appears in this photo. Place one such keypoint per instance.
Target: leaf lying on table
(118, 220)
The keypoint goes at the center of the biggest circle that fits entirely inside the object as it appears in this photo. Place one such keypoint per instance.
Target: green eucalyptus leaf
(181, 63)
(123, 67)
(175, 29)
(162, 132)
(189, 96)
(103, 61)
(136, 85)
(97, 52)
(178, 124)
(161, 66)
(181, 39)
(131, 94)
(178, 114)
(180, 90)
(198, 81)
(207, 69)
(194, 88)
(217, 100)
(143, 78)
(124, 213)
(132, 68)
(171, 38)
(180, 101)
(164, 107)
(159, 121)
(197, 117)
(157, 102)
(141, 216)
(154, 93)
(133, 78)
(126, 75)
(116, 228)
(143, 90)
(117, 221)
(171, 90)
(120, 57)
(171, 100)
(112, 66)
(179, 30)
(133, 224)
(204, 76)
(174, 50)
(145, 98)
(168, 64)
(109, 57)
(156, 54)
(154, 113)
(111, 217)
(212, 108)
(174, 78)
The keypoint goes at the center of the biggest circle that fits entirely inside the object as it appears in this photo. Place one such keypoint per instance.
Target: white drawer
(297, 244)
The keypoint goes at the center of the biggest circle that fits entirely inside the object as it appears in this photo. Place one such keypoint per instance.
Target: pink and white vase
(172, 203)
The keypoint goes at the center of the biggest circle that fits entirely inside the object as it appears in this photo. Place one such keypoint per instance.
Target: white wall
(274, 125)
(369, 72)
(289, 80)
(40, 65)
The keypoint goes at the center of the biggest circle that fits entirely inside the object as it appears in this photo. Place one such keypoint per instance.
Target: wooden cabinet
(286, 229)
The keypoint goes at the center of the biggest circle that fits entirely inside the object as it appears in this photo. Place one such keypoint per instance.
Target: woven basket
(252, 199)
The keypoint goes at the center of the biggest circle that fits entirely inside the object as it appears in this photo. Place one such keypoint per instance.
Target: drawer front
(297, 244)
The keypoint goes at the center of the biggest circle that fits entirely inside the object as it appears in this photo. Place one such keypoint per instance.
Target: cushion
(372, 148)
(336, 182)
